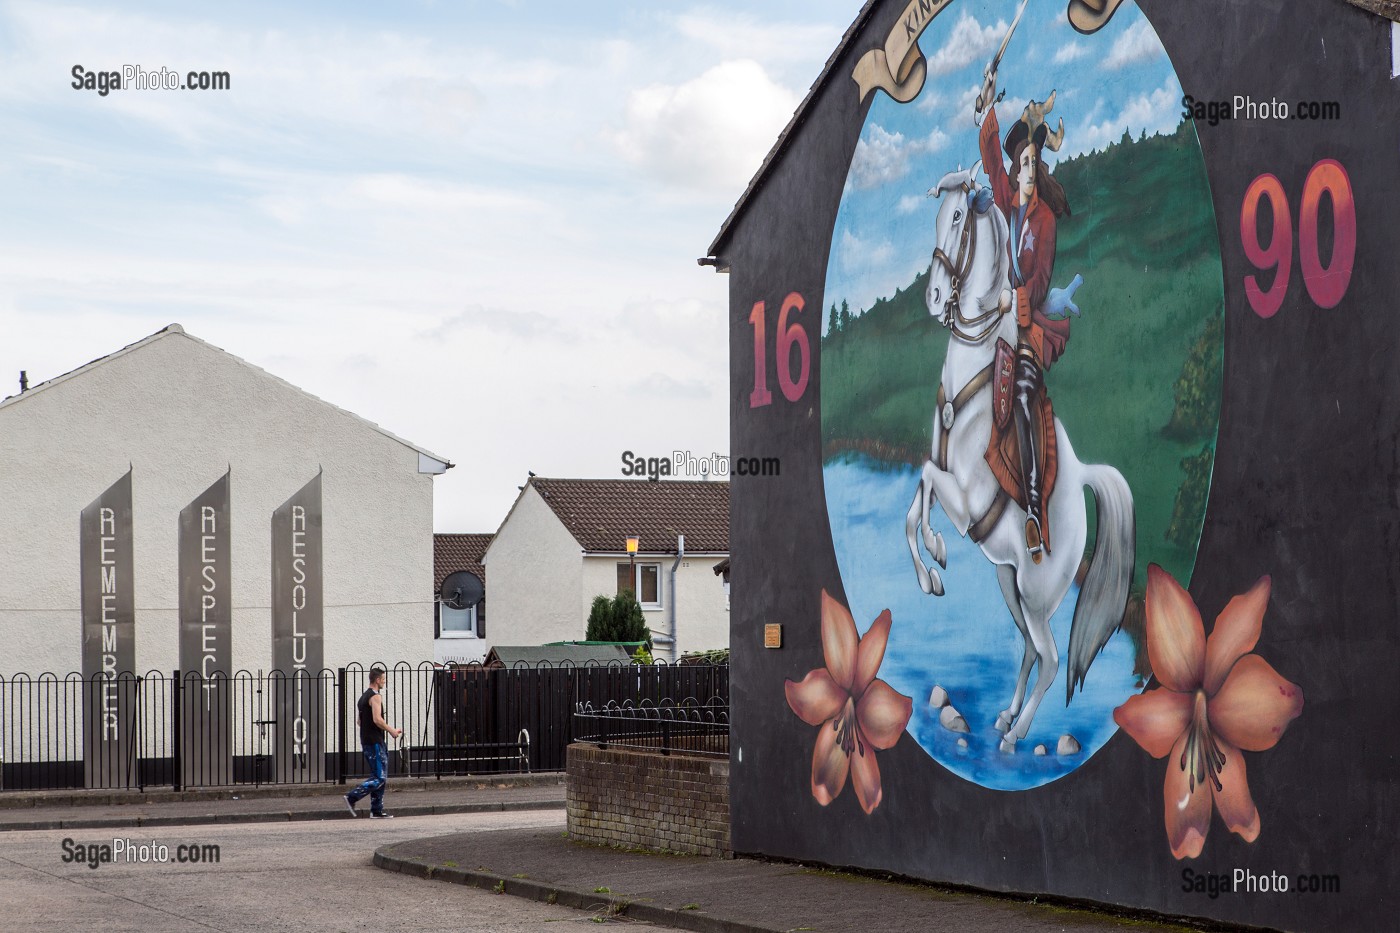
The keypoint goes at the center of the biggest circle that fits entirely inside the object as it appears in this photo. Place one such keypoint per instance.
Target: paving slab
(724, 895)
(77, 797)
(264, 805)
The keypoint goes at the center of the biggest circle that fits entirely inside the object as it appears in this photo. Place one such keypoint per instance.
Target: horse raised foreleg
(1006, 576)
(930, 581)
(1048, 657)
(933, 543)
(933, 540)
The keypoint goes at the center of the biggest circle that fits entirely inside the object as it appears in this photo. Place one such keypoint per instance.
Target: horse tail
(1102, 598)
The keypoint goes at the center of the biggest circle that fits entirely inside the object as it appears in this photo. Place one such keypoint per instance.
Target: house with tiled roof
(459, 635)
(565, 541)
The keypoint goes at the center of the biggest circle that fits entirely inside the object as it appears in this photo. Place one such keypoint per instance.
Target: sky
(473, 223)
(1120, 78)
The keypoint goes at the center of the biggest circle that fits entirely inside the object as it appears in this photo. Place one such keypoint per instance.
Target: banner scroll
(901, 50)
(1089, 16)
(904, 81)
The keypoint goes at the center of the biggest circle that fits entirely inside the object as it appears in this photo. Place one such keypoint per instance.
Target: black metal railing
(180, 729)
(687, 727)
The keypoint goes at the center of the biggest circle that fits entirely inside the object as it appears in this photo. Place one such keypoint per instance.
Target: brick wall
(647, 800)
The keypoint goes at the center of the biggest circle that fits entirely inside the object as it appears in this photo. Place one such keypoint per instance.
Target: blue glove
(1061, 300)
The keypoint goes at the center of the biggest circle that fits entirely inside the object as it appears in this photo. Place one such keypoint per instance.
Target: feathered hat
(1032, 126)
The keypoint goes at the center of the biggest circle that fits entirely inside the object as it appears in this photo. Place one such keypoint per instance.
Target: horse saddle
(1004, 450)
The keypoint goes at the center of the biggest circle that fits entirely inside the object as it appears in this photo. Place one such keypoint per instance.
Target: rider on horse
(1031, 201)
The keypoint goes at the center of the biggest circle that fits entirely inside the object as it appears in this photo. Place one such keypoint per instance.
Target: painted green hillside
(1139, 385)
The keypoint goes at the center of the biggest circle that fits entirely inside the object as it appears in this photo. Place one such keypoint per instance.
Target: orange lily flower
(1216, 699)
(857, 712)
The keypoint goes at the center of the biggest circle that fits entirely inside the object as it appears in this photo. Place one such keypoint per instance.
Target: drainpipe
(680, 553)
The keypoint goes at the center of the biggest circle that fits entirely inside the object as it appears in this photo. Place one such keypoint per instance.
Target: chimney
(23, 381)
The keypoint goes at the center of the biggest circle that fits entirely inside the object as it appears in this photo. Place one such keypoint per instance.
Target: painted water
(964, 641)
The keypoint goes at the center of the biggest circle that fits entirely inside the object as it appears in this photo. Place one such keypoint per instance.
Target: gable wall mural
(1066, 322)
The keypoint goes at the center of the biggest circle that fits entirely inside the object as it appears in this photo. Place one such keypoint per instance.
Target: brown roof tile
(601, 513)
(458, 552)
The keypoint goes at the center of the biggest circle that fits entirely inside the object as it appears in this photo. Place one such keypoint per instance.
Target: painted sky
(473, 223)
(1119, 78)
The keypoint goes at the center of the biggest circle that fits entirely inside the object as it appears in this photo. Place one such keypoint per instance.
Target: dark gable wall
(1305, 488)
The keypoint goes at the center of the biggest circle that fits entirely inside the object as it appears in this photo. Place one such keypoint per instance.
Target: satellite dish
(462, 590)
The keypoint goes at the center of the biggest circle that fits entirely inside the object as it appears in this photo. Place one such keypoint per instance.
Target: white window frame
(637, 583)
(443, 609)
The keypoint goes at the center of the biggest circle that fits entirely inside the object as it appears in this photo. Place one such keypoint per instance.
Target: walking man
(373, 726)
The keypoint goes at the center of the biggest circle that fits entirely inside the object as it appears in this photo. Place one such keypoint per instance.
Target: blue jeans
(377, 756)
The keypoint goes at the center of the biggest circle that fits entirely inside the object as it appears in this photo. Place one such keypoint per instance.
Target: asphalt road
(313, 876)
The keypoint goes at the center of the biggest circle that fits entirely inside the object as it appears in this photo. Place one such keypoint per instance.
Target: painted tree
(1197, 390)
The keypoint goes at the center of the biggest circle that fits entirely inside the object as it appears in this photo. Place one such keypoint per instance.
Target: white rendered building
(178, 413)
(565, 542)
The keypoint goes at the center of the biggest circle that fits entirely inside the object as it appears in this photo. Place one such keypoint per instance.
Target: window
(462, 623)
(644, 580)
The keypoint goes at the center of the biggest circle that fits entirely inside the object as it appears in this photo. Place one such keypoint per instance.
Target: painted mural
(1024, 304)
(1045, 315)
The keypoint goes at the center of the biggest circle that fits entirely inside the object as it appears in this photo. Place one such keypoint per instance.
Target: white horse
(969, 272)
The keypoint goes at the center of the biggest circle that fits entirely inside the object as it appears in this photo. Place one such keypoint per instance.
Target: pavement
(535, 860)
(40, 810)
(722, 895)
(310, 877)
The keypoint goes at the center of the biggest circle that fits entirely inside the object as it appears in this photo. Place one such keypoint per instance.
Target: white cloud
(1155, 112)
(857, 253)
(882, 157)
(956, 103)
(1070, 52)
(968, 42)
(1138, 44)
(711, 131)
(744, 36)
(909, 203)
(445, 201)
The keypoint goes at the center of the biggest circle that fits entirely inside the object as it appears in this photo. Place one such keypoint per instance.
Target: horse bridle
(957, 272)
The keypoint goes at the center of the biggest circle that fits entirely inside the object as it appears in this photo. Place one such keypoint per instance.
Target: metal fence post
(340, 725)
(177, 746)
(136, 745)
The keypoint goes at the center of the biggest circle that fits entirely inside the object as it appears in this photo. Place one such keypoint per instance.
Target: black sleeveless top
(370, 734)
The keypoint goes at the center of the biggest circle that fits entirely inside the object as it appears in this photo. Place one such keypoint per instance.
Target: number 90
(1325, 284)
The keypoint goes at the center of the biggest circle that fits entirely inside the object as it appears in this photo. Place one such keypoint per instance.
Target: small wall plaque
(773, 635)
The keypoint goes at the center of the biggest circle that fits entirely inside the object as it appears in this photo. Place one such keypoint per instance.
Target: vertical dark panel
(206, 639)
(107, 577)
(298, 650)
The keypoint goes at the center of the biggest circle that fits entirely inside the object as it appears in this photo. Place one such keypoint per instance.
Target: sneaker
(350, 805)
(381, 816)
